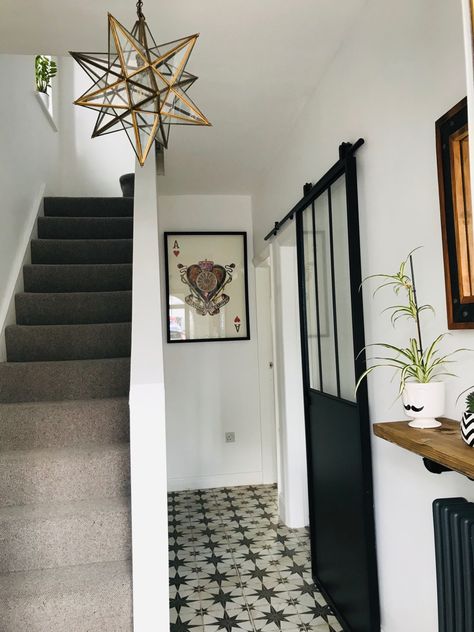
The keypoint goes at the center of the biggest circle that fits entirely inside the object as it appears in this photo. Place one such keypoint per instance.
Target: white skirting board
(218, 480)
(15, 279)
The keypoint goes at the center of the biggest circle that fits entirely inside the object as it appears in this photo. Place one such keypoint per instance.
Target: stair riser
(89, 598)
(48, 476)
(88, 207)
(85, 228)
(67, 541)
(107, 609)
(53, 381)
(64, 424)
(68, 342)
(77, 278)
(73, 308)
(57, 251)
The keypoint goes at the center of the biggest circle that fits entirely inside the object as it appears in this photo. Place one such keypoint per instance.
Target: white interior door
(266, 364)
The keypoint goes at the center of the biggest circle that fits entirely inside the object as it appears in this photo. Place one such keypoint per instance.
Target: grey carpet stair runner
(64, 426)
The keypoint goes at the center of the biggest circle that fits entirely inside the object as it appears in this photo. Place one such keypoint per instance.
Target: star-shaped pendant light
(140, 87)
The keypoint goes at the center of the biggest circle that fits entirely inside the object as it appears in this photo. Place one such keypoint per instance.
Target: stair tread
(65, 363)
(56, 342)
(88, 206)
(65, 579)
(64, 474)
(65, 404)
(63, 423)
(55, 380)
(77, 266)
(70, 327)
(71, 219)
(47, 308)
(85, 227)
(83, 240)
(33, 455)
(66, 295)
(77, 277)
(70, 251)
(65, 533)
(57, 510)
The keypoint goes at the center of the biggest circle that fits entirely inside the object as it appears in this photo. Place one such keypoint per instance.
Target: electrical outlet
(230, 437)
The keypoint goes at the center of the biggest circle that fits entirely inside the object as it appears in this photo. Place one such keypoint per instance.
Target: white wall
(29, 158)
(401, 67)
(89, 166)
(212, 387)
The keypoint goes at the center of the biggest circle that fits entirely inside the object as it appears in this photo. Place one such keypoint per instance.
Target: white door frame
(293, 478)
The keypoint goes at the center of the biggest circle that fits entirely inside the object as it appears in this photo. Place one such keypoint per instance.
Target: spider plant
(45, 70)
(413, 362)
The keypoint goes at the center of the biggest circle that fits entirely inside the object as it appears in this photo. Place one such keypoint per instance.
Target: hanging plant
(45, 70)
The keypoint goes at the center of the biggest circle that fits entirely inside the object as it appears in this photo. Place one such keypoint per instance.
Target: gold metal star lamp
(139, 87)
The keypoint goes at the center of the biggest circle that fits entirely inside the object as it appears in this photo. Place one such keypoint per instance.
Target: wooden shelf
(443, 446)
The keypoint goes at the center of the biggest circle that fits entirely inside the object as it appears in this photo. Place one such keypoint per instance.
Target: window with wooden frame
(452, 141)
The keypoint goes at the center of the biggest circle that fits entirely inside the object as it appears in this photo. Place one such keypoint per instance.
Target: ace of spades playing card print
(207, 286)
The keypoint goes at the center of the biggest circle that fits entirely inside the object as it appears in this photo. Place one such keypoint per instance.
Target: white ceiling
(257, 62)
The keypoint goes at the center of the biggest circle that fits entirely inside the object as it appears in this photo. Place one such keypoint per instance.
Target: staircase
(64, 426)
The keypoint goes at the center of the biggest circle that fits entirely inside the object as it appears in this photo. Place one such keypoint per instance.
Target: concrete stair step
(88, 207)
(85, 227)
(68, 308)
(64, 474)
(77, 278)
(81, 251)
(64, 534)
(65, 380)
(62, 424)
(85, 598)
(67, 342)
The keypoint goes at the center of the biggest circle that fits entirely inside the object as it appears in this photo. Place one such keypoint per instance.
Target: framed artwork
(206, 286)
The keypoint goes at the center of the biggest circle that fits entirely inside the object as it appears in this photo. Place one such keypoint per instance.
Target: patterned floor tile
(229, 621)
(274, 617)
(234, 567)
(185, 620)
(223, 599)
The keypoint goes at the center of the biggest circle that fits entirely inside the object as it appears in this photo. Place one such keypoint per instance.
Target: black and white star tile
(234, 567)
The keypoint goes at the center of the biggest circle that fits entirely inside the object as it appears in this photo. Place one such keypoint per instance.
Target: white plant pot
(423, 403)
(46, 104)
(45, 98)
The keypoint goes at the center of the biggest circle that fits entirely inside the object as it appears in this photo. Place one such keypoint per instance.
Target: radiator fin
(454, 536)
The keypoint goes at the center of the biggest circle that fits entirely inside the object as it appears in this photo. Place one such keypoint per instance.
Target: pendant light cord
(139, 10)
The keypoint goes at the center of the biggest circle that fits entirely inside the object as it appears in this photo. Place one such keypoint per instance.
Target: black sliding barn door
(337, 424)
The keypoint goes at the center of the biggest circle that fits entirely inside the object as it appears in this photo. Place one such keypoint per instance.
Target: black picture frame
(176, 334)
